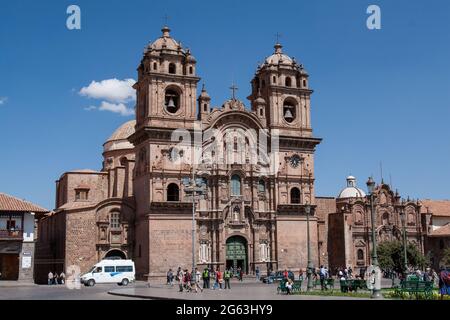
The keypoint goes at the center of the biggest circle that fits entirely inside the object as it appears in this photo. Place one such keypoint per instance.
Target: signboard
(26, 262)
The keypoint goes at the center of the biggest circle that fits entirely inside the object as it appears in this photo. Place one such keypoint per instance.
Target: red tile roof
(436, 207)
(442, 231)
(10, 203)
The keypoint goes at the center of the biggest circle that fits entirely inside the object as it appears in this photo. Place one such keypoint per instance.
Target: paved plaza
(249, 289)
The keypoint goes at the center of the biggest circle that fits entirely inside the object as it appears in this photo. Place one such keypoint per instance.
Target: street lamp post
(310, 265)
(376, 291)
(192, 188)
(403, 218)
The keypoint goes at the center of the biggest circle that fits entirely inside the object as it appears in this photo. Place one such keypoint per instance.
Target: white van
(121, 272)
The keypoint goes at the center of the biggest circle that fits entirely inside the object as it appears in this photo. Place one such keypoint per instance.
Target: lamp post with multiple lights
(376, 291)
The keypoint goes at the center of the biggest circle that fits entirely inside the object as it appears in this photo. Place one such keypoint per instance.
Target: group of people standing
(54, 278)
(213, 279)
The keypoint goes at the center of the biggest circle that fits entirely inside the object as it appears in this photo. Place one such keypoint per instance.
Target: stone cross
(233, 91)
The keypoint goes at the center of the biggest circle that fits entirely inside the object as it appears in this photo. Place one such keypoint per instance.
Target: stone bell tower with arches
(166, 101)
(283, 84)
(167, 85)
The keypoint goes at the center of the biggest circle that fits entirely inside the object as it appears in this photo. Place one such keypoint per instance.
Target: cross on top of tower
(277, 45)
(277, 37)
(166, 19)
(233, 91)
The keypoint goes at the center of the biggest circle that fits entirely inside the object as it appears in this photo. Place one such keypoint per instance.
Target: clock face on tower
(295, 160)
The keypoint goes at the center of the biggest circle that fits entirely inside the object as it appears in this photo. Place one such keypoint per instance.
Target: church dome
(165, 42)
(279, 57)
(119, 139)
(351, 191)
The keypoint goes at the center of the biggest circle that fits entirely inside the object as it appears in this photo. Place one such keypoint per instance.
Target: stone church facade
(254, 165)
(251, 170)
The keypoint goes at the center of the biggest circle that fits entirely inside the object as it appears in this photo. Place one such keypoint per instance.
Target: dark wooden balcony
(11, 234)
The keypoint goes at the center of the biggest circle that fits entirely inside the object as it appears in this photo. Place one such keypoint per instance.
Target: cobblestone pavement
(247, 290)
(239, 291)
(61, 292)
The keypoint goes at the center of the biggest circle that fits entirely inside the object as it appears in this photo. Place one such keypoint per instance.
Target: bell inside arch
(288, 114)
(171, 103)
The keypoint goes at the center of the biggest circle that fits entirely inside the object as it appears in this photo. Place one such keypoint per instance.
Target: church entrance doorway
(236, 254)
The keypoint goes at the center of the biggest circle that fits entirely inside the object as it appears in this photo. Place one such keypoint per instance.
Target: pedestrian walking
(198, 276)
(227, 277)
(322, 275)
(219, 279)
(205, 277)
(257, 274)
(444, 282)
(55, 278)
(62, 277)
(50, 278)
(180, 277)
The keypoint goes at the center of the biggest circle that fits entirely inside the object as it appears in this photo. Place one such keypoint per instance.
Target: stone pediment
(360, 243)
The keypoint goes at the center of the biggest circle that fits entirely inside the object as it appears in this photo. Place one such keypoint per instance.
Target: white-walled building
(17, 237)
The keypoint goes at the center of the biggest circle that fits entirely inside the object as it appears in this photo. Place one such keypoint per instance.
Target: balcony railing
(11, 234)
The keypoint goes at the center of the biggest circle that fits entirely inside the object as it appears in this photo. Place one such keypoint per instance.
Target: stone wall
(81, 238)
(292, 243)
(170, 245)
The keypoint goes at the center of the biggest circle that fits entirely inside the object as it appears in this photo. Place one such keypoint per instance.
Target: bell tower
(167, 85)
(283, 84)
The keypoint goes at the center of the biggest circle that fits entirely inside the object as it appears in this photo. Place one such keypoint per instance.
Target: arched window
(235, 185)
(360, 254)
(205, 107)
(173, 192)
(191, 70)
(172, 68)
(261, 186)
(304, 83)
(172, 101)
(274, 79)
(114, 220)
(288, 82)
(155, 66)
(295, 195)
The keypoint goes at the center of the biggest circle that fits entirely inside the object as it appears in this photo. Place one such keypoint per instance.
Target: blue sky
(380, 95)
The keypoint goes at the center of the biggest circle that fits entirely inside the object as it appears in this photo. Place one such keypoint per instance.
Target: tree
(391, 256)
(445, 261)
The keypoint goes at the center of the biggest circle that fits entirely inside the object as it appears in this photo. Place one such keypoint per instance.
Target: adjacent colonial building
(17, 237)
(350, 225)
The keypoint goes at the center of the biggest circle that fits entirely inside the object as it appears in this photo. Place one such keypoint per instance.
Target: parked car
(276, 276)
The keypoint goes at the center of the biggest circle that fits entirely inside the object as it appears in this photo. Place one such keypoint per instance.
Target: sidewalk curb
(141, 296)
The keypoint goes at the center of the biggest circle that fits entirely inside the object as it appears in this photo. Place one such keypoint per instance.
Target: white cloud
(117, 108)
(112, 90)
(90, 108)
(3, 100)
